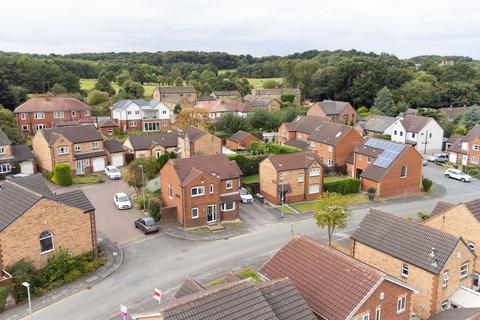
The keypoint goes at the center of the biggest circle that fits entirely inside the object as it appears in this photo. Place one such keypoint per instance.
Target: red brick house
(465, 150)
(299, 129)
(203, 189)
(334, 143)
(107, 126)
(293, 177)
(48, 112)
(392, 169)
(337, 111)
(337, 286)
(240, 140)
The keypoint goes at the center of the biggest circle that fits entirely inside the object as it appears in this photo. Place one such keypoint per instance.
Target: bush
(154, 206)
(247, 163)
(96, 97)
(287, 97)
(346, 186)
(72, 275)
(362, 110)
(139, 202)
(62, 174)
(3, 297)
(59, 265)
(422, 216)
(426, 184)
(163, 159)
(24, 271)
(474, 172)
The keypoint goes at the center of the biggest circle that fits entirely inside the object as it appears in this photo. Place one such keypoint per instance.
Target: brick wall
(207, 144)
(20, 239)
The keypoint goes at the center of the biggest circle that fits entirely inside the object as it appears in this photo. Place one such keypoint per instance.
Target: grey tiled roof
(378, 123)
(440, 207)
(414, 123)
(473, 206)
(4, 139)
(175, 90)
(305, 124)
(146, 142)
(34, 182)
(76, 134)
(332, 107)
(91, 154)
(293, 161)
(330, 133)
(297, 143)
(188, 287)
(405, 240)
(22, 152)
(113, 146)
(193, 133)
(458, 314)
(240, 136)
(76, 199)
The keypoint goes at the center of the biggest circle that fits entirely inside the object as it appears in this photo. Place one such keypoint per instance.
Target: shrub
(96, 97)
(247, 163)
(383, 136)
(72, 275)
(3, 297)
(139, 202)
(474, 172)
(24, 271)
(287, 97)
(163, 159)
(346, 186)
(426, 184)
(422, 215)
(362, 110)
(91, 266)
(62, 174)
(59, 265)
(154, 206)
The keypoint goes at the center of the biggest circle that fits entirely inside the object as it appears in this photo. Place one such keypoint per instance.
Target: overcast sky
(261, 27)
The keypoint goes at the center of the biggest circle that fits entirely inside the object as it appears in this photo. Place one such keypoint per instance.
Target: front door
(211, 213)
(476, 282)
(80, 167)
(464, 160)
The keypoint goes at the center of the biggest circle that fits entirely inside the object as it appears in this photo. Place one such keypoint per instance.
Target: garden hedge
(346, 186)
(62, 174)
(247, 163)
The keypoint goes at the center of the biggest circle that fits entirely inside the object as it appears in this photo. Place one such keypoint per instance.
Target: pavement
(114, 257)
(163, 262)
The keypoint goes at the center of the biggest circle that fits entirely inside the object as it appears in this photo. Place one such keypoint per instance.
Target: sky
(404, 28)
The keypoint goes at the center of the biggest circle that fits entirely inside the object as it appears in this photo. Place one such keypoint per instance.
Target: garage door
(117, 160)
(26, 167)
(98, 164)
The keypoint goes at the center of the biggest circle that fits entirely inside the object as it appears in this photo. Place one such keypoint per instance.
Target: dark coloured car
(147, 225)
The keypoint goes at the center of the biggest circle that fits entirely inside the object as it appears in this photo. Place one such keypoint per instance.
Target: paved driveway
(256, 214)
(113, 224)
(454, 187)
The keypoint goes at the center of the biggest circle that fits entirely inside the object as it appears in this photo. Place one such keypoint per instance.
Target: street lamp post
(27, 285)
(143, 183)
(282, 192)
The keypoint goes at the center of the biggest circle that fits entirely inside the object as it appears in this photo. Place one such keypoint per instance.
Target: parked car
(147, 225)
(113, 173)
(438, 158)
(457, 174)
(245, 196)
(17, 175)
(424, 163)
(122, 201)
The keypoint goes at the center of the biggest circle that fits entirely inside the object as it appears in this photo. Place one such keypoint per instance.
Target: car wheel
(145, 232)
(447, 176)
(463, 180)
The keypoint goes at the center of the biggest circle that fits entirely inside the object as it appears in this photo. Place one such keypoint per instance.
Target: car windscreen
(114, 170)
(149, 222)
(243, 192)
(123, 199)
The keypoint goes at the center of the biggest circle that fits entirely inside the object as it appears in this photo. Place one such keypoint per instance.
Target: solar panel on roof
(390, 151)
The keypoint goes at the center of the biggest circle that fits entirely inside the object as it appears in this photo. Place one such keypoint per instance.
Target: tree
(332, 212)
(472, 117)
(287, 97)
(8, 125)
(177, 109)
(122, 77)
(231, 123)
(103, 84)
(270, 84)
(58, 89)
(243, 86)
(62, 174)
(430, 113)
(96, 97)
(461, 130)
(131, 90)
(7, 98)
(193, 117)
(133, 174)
(20, 94)
(261, 119)
(385, 103)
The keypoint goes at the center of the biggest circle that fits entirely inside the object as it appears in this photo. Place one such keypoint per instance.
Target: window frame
(65, 148)
(23, 116)
(474, 158)
(40, 126)
(401, 304)
(3, 150)
(197, 211)
(73, 113)
(311, 185)
(45, 237)
(229, 184)
(198, 194)
(223, 206)
(95, 145)
(170, 191)
(77, 147)
(58, 114)
(24, 127)
(378, 313)
(301, 178)
(472, 246)
(405, 267)
(329, 148)
(211, 188)
(42, 115)
(402, 173)
(467, 264)
(314, 172)
(445, 278)
(5, 168)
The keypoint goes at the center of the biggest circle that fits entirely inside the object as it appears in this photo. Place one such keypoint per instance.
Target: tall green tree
(8, 124)
(332, 212)
(131, 90)
(103, 84)
(385, 103)
(231, 123)
(472, 117)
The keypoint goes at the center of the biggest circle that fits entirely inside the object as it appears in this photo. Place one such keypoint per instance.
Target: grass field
(353, 198)
(251, 179)
(258, 82)
(89, 84)
(334, 178)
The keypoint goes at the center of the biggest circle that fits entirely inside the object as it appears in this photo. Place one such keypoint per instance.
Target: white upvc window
(210, 188)
(378, 313)
(46, 242)
(329, 148)
(471, 245)
(464, 270)
(403, 172)
(365, 316)
(194, 213)
(25, 127)
(3, 150)
(314, 172)
(476, 147)
(158, 153)
(40, 126)
(474, 160)
(369, 159)
(198, 191)
(330, 163)
(445, 279)
(170, 191)
(23, 116)
(62, 150)
(74, 114)
(6, 167)
(58, 114)
(445, 305)
(401, 304)
(228, 206)
(300, 178)
(229, 184)
(77, 147)
(39, 115)
(132, 123)
(313, 188)
(404, 269)
(95, 145)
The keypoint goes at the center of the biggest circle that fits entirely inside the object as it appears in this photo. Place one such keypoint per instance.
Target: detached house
(218, 108)
(14, 159)
(107, 126)
(292, 177)
(378, 124)
(195, 141)
(336, 111)
(337, 286)
(152, 145)
(203, 190)
(392, 169)
(261, 102)
(433, 261)
(36, 224)
(241, 140)
(422, 132)
(299, 129)
(229, 95)
(144, 115)
(334, 143)
(277, 93)
(461, 220)
(186, 97)
(80, 146)
(48, 112)
(465, 150)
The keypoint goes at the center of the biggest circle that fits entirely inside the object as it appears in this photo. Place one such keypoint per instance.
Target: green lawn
(286, 210)
(223, 71)
(258, 82)
(244, 274)
(354, 198)
(93, 178)
(250, 179)
(334, 178)
(89, 84)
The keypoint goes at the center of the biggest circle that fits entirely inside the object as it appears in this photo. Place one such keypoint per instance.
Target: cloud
(261, 27)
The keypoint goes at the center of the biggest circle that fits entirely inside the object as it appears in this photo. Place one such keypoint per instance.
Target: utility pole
(27, 285)
(143, 183)
(425, 143)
